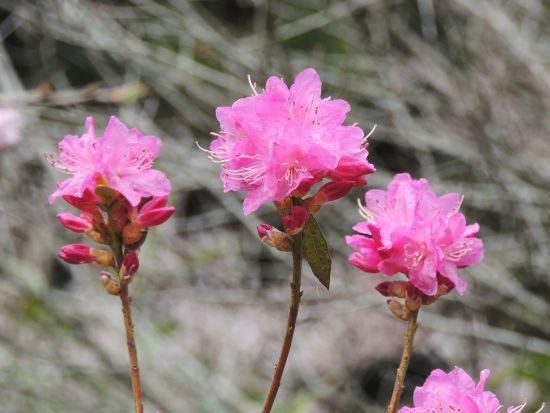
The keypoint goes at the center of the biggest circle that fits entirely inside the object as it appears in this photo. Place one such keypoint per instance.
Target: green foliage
(316, 250)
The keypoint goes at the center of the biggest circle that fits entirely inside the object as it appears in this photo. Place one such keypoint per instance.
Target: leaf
(107, 194)
(316, 250)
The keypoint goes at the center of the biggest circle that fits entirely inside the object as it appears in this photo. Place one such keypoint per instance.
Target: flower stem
(126, 300)
(295, 296)
(404, 364)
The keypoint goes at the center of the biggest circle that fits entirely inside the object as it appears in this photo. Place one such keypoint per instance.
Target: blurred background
(460, 91)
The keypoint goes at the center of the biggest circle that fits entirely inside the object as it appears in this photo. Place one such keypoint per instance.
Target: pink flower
(453, 392)
(456, 392)
(122, 159)
(411, 230)
(10, 127)
(286, 139)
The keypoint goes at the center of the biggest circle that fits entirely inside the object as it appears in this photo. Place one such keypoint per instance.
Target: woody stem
(295, 297)
(126, 300)
(404, 364)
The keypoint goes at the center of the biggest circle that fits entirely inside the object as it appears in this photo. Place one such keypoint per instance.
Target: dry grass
(459, 90)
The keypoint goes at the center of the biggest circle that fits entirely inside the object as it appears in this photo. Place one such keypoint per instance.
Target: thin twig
(404, 364)
(295, 297)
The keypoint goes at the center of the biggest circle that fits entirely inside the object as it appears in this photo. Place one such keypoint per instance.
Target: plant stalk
(295, 297)
(404, 364)
(126, 301)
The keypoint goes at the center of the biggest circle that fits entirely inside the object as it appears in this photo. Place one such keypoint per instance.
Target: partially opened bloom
(455, 392)
(284, 140)
(122, 159)
(409, 229)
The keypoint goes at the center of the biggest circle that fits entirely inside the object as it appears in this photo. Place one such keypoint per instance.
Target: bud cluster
(119, 194)
(107, 218)
(412, 296)
(293, 218)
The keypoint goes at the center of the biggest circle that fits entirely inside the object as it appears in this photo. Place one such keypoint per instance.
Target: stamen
(365, 143)
(252, 85)
(458, 250)
(364, 212)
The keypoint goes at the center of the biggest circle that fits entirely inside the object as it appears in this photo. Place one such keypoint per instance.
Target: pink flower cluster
(122, 159)
(411, 230)
(117, 192)
(284, 140)
(455, 392)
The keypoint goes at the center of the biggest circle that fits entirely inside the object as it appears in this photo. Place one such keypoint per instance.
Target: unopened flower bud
(398, 310)
(87, 202)
(392, 288)
(132, 233)
(74, 223)
(295, 222)
(76, 254)
(111, 285)
(304, 187)
(274, 238)
(103, 258)
(154, 212)
(336, 190)
(130, 265)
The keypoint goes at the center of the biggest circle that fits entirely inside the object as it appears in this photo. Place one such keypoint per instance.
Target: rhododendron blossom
(287, 139)
(411, 230)
(455, 392)
(122, 159)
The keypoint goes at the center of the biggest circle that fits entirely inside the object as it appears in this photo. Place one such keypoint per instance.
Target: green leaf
(316, 250)
(107, 194)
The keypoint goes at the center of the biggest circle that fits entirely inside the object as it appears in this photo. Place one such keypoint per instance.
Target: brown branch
(404, 364)
(295, 297)
(44, 95)
(126, 300)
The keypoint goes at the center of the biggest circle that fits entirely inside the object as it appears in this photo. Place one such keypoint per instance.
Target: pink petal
(306, 87)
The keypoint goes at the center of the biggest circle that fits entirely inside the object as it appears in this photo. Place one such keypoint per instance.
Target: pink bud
(274, 238)
(352, 169)
(304, 187)
(294, 223)
(74, 223)
(76, 254)
(87, 202)
(154, 212)
(130, 264)
(154, 203)
(263, 230)
(336, 190)
(155, 217)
